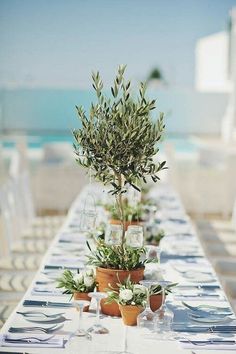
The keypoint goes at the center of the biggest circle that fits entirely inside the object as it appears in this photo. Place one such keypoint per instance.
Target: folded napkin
(45, 290)
(28, 340)
(197, 297)
(206, 344)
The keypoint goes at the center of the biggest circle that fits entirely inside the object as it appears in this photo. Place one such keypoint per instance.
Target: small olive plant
(128, 293)
(118, 256)
(83, 282)
(118, 138)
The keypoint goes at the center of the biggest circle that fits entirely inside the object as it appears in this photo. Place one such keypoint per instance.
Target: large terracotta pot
(110, 277)
(82, 296)
(127, 223)
(155, 302)
(130, 313)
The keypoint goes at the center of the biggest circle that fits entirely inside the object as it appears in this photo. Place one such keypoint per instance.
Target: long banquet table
(181, 251)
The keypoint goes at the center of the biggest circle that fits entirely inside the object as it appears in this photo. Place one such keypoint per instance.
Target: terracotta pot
(110, 277)
(82, 296)
(155, 302)
(127, 223)
(130, 313)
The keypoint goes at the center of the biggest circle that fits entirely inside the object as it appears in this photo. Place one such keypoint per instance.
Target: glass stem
(163, 296)
(80, 318)
(148, 300)
(125, 339)
(98, 312)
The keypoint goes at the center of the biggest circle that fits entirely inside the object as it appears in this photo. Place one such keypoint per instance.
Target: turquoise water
(51, 114)
(35, 142)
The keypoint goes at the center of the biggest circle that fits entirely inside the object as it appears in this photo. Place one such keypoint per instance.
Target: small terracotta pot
(110, 277)
(130, 313)
(82, 296)
(155, 302)
(127, 223)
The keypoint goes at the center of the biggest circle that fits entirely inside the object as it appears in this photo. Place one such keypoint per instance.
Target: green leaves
(117, 257)
(118, 139)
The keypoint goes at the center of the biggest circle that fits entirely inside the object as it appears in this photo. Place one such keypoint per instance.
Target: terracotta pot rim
(155, 295)
(107, 270)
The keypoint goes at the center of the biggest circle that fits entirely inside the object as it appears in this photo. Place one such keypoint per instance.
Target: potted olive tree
(117, 143)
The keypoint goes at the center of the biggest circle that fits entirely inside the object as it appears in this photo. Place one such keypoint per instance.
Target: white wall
(211, 55)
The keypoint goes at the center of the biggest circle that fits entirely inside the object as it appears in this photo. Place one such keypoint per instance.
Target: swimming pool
(181, 144)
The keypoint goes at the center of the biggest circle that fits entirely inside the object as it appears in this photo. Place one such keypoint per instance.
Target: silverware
(28, 339)
(208, 315)
(39, 314)
(32, 329)
(35, 303)
(198, 295)
(207, 342)
(213, 309)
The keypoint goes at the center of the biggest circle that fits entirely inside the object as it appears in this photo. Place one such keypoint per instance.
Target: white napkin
(55, 342)
(45, 290)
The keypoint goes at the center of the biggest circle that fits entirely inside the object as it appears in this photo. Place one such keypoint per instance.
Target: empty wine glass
(97, 328)
(134, 236)
(113, 235)
(80, 305)
(164, 316)
(154, 252)
(146, 318)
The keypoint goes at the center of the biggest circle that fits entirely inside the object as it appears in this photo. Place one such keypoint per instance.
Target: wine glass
(80, 305)
(113, 235)
(97, 328)
(164, 316)
(154, 252)
(134, 236)
(146, 318)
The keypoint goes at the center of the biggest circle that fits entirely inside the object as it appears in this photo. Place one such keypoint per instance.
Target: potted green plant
(155, 293)
(153, 237)
(117, 144)
(131, 298)
(132, 213)
(78, 285)
(113, 265)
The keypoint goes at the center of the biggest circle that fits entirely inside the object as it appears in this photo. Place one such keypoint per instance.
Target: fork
(31, 329)
(39, 314)
(210, 341)
(28, 339)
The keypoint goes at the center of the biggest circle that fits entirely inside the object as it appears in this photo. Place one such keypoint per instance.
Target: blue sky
(57, 43)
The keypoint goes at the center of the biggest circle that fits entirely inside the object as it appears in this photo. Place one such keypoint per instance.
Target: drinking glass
(164, 316)
(97, 328)
(80, 305)
(113, 235)
(87, 221)
(146, 318)
(134, 236)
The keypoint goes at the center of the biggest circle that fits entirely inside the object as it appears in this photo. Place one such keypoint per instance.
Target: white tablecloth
(180, 242)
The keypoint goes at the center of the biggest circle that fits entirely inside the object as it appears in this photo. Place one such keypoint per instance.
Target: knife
(47, 267)
(204, 287)
(214, 341)
(35, 303)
